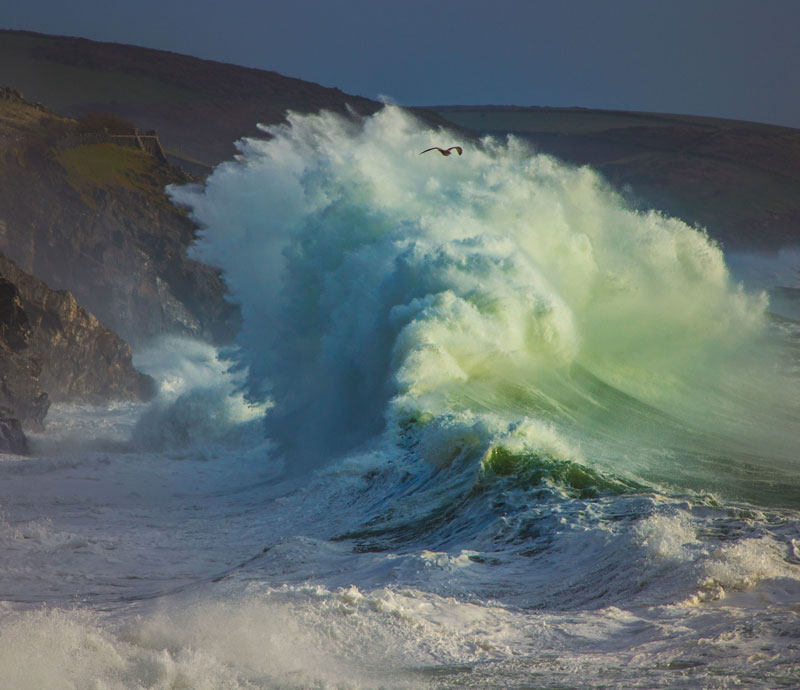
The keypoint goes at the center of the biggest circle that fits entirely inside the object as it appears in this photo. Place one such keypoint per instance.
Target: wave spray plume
(495, 304)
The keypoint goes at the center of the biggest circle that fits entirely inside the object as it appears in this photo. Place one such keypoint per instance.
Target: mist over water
(498, 301)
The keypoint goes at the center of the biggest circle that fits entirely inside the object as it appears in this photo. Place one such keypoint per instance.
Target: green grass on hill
(104, 166)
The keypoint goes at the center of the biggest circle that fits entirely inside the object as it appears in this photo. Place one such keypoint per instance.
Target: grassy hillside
(199, 107)
(106, 165)
(741, 180)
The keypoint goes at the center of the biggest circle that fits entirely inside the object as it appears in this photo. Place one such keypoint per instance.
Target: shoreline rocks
(81, 359)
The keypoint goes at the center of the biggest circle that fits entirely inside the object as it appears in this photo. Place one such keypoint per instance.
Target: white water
(499, 294)
(507, 433)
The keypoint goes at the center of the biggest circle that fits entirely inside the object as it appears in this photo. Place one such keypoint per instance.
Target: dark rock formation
(22, 399)
(12, 438)
(49, 343)
(15, 329)
(80, 359)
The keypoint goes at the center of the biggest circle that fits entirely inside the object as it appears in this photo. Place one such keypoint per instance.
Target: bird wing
(432, 148)
(457, 148)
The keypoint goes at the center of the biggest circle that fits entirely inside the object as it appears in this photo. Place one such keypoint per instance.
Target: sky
(724, 58)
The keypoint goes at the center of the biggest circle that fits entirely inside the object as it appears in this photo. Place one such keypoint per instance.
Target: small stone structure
(149, 143)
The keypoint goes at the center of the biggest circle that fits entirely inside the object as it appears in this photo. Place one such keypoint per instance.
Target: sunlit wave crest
(498, 304)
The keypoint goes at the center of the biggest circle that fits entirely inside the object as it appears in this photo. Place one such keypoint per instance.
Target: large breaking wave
(498, 307)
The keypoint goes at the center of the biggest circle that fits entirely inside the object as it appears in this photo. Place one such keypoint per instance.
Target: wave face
(498, 304)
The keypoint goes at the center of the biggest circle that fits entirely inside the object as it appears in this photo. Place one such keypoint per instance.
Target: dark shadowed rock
(15, 330)
(22, 399)
(81, 359)
(12, 438)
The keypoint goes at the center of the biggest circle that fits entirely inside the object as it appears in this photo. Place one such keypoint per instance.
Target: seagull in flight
(444, 152)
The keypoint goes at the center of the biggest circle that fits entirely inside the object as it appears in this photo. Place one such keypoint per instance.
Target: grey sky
(729, 58)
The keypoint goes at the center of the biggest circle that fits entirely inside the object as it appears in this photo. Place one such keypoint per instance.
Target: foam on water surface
(486, 426)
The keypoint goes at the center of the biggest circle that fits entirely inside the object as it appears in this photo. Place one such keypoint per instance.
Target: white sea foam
(382, 288)
(200, 399)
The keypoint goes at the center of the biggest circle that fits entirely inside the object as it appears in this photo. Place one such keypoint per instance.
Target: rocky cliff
(22, 399)
(53, 349)
(79, 359)
(93, 218)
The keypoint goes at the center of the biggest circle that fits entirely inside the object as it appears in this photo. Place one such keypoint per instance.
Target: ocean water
(486, 426)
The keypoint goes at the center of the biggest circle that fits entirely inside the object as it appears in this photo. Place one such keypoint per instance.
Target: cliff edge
(91, 216)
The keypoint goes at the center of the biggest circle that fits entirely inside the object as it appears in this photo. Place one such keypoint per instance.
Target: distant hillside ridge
(198, 107)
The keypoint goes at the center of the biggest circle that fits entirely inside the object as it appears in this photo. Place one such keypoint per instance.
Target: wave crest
(378, 285)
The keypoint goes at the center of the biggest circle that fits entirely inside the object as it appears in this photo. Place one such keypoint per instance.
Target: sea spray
(199, 404)
(382, 290)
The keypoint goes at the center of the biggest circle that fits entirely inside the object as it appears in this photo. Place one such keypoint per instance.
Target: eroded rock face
(22, 399)
(80, 359)
(15, 330)
(121, 256)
